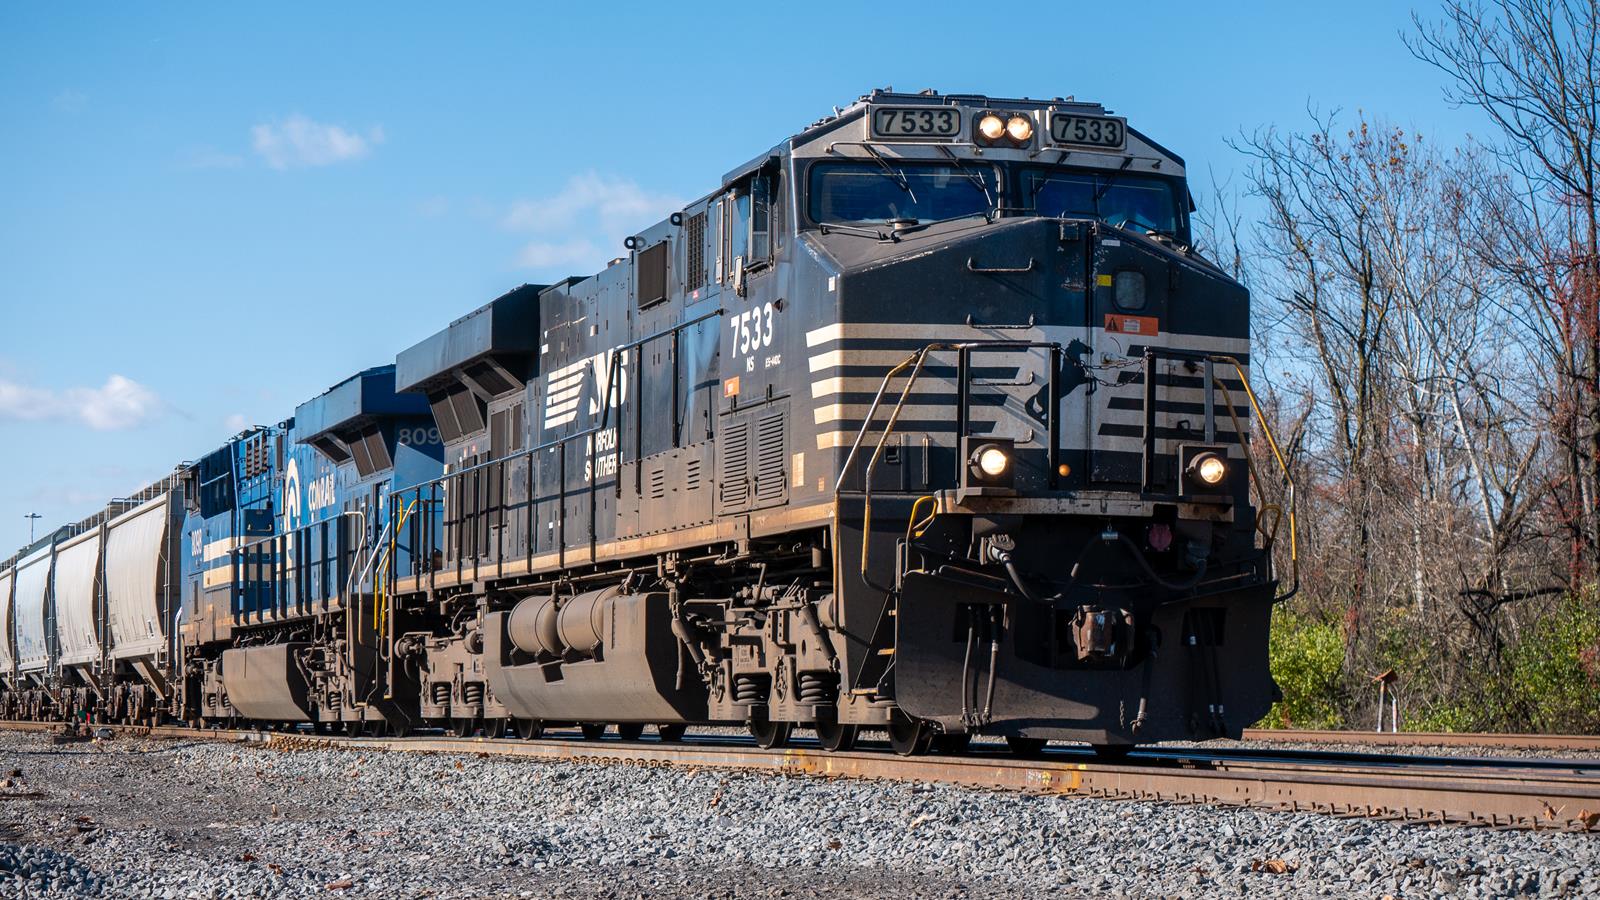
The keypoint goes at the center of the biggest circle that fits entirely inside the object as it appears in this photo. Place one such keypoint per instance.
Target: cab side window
(749, 236)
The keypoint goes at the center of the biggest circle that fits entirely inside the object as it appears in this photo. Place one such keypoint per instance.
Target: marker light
(992, 461)
(1208, 468)
(1020, 128)
(991, 127)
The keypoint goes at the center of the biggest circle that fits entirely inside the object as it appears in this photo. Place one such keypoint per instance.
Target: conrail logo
(564, 387)
(319, 494)
(291, 496)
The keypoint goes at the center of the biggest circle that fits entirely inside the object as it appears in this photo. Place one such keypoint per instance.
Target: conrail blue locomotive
(928, 420)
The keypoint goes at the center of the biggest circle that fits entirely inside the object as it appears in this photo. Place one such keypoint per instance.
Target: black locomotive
(929, 419)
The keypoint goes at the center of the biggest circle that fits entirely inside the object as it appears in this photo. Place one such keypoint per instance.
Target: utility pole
(32, 518)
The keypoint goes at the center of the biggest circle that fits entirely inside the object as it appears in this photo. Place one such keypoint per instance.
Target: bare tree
(1319, 261)
(1533, 66)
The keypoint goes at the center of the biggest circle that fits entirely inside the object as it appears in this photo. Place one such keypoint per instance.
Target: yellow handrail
(1255, 477)
(380, 603)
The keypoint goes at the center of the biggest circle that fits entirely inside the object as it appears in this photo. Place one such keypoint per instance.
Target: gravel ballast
(136, 817)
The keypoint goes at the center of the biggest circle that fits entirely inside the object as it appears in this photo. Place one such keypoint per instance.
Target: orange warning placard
(730, 388)
(1148, 326)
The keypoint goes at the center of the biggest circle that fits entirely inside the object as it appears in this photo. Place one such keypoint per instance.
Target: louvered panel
(657, 487)
(733, 466)
(695, 251)
(772, 450)
(691, 475)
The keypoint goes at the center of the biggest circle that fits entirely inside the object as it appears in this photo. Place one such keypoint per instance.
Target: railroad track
(1581, 742)
(1516, 793)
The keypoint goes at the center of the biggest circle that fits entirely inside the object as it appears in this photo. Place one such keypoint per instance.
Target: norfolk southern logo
(565, 388)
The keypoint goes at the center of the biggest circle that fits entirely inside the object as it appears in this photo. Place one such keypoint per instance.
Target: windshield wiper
(1044, 180)
(857, 231)
(1131, 219)
(988, 217)
(1111, 180)
(899, 178)
(988, 198)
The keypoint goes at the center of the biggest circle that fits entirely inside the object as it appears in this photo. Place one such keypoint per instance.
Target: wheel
(319, 727)
(373, 728)
(952, 744)
(908, 738)
(1112, 752)
(529, 729)
(464, 726)
(399, 728)
(671, 734)
(1025, 747)
(630, 731)
(592, 731)
(836, 738)
(768, 734)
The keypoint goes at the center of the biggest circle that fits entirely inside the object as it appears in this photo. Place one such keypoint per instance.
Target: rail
(1506, 793)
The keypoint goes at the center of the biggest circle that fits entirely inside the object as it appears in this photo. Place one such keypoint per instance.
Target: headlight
(1020, 128)
(991, 127)
(992, 461)
(1208, 469)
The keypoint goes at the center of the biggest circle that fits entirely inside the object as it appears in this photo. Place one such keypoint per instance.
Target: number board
(910, 123)
(1101, 132)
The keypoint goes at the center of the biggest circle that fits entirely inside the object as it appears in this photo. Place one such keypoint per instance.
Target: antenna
(32, 518)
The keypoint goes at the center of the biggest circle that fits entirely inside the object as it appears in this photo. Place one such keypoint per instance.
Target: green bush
(1442, 715)
(1306, 657)
(1554, 683)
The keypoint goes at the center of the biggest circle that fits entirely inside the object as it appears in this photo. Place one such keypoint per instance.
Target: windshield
(870, 192)
(1135, 201)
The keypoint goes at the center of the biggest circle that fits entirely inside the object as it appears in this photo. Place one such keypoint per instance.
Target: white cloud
(236, 423)
(118, 404)
(584, 224)
(298, 141)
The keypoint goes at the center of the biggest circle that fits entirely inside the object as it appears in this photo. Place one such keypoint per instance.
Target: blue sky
(209, 213)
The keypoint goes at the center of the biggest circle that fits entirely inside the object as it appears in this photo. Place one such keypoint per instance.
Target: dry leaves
(1589, 819)
(1273, 866)
(834, 843)
(343, 884)
(919, 821)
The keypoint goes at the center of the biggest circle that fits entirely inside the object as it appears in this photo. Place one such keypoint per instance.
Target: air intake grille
(771, 451)
(694, 240)
(733, 465)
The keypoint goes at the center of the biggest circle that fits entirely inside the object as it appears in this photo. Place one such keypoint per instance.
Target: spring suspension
(818, 687)
(472, 693)
(752, 688)
(440, 691)
(333, 702)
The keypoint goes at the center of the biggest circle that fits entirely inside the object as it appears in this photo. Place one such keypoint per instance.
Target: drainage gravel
(134, 817)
